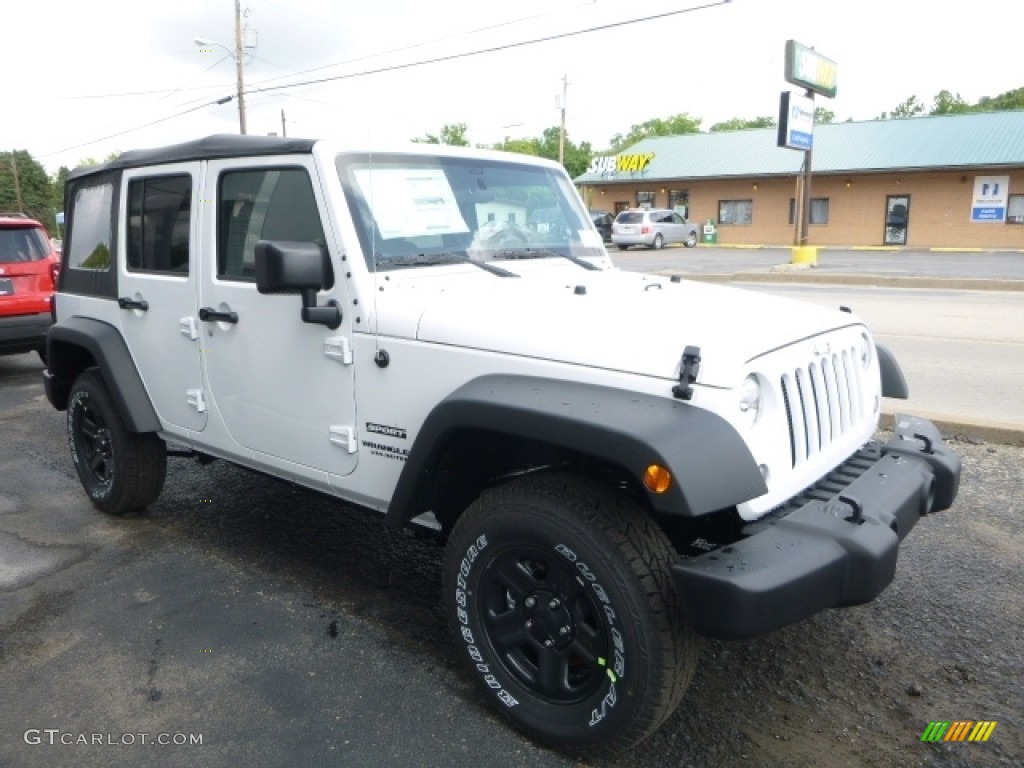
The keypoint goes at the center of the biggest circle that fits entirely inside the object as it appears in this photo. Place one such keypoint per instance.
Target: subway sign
(609, 166)
(808, 68)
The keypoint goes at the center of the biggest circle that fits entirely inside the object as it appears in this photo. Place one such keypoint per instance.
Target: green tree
(1010, 100)
(576, 156)
(670, 126)
(946, 103)
(907, 108)
(522, 146)
(453, 134)
(742, 123)
(25, 187)
(824, 116)
(58, 184)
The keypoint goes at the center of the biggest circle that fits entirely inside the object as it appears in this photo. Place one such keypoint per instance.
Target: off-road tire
(121, 471)
(561, 600)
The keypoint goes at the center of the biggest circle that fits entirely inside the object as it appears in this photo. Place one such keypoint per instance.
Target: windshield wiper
(426, 260)
(539, 253)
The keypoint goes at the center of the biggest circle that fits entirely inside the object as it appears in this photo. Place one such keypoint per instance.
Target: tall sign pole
(807, 68)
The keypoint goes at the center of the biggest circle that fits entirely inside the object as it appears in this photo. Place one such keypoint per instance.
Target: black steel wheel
(560, 595)
(121, 471)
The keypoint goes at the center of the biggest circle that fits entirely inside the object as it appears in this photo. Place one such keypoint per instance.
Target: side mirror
(298, 267)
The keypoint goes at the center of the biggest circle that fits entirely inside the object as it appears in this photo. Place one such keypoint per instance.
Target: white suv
(616, 461)
(655, 228)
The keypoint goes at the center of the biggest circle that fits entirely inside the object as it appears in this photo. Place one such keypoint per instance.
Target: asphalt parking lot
(280, 628)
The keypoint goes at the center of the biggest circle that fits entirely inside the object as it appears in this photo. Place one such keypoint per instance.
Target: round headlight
(750, 397)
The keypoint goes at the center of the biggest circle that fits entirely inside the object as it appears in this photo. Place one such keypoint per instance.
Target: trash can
(710, 232)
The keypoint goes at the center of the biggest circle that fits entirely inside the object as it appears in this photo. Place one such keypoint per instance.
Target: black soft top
(209, 148)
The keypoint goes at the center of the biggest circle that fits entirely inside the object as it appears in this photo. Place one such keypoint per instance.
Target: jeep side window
(159, 222)
(262, 204)
(90, 243)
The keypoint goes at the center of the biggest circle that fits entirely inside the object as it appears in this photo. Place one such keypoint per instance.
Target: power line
(138, 127)
(378, 54)
(407, 65)
(411, 46)
(492, 49)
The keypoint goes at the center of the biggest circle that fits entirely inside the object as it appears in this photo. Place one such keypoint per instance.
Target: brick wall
(940, 208)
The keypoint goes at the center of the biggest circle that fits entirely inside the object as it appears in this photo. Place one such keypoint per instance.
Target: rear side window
(159, 223)
(90, 244)
(262, 204)
(22, 244)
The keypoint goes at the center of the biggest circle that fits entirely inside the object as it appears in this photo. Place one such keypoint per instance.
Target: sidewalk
(955, 270)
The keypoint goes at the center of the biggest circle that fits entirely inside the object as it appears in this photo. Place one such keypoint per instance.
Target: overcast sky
(84, 79)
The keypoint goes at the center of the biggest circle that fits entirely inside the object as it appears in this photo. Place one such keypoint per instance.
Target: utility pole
(561, 133)
(17, 184)
(239, 68)
(284, 131)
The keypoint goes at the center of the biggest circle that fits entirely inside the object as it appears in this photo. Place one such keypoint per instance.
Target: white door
(158, 287)
(283, 388)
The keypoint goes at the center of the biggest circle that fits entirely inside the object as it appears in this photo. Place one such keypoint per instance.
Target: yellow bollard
(805, 254)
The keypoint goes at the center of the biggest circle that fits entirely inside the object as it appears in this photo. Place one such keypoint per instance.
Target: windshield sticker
(590, 239)
(411, 202)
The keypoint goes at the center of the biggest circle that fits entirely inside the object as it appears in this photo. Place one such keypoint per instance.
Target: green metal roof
(919, 143)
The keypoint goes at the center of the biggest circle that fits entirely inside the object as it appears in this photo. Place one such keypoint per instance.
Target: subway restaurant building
(954, 181)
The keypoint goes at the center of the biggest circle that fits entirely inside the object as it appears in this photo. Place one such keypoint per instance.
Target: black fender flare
(107, 348)
(894, 383)
(711, 465)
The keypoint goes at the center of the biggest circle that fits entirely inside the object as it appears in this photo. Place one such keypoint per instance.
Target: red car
(29, 266)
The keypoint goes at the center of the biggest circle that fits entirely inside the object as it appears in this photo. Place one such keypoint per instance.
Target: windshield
(411, 210)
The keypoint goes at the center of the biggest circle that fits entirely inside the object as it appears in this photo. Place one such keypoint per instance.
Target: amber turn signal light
(657, 479)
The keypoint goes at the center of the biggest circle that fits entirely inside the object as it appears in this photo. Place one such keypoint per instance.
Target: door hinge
(343, 437)
(187, 326)
(338, 348)
(194, 397)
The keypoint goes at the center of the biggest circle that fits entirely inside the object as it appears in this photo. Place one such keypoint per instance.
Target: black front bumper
(836, 545)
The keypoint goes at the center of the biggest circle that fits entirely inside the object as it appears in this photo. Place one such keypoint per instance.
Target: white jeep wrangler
(616, 461)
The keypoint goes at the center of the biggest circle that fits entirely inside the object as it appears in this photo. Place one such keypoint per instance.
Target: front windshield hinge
(689, 367)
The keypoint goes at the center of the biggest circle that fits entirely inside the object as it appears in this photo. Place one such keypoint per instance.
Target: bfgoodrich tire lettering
(121, 471)
(561, 599)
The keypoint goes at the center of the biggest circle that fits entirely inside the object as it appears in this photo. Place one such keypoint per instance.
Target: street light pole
(239, 74)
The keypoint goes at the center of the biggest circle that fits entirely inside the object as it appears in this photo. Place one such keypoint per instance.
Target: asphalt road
(833, 263)
(961, 351)
(281, 628)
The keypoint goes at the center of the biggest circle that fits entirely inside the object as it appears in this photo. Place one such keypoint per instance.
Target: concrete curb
(953, 427)
(890, 248)
(814, 275)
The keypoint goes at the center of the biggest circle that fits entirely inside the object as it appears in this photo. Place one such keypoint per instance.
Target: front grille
(823, 401)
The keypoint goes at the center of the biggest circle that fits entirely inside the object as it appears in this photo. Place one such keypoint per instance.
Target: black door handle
(209, 314)
(126, 303)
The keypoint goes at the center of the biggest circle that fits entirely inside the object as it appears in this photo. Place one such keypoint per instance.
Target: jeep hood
(614, 320)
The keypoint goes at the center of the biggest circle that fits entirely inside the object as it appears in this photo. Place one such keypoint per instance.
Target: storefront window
(819, 210)
(736, 212)
(679, 201)
(1015, 209)
(644, 199)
